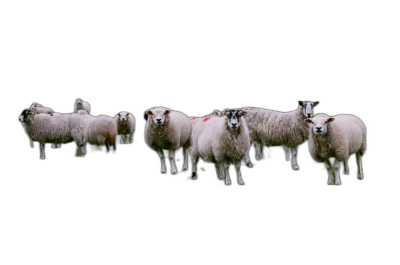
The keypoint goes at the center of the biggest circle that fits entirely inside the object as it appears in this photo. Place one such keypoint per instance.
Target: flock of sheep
(43, 125)
(222, 138)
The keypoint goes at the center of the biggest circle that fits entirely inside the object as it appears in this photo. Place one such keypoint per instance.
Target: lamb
(168, 129)
(273, 128)
(126, 126)
(339, 136)
(101, 130)
(221, 140)
(81, 105)
(57, 129)
(44, 110)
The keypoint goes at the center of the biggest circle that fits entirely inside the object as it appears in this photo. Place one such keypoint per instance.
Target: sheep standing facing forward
(57, 129)
(168, 129)
(126, 126)
(339, 137)
(221, 140)
(101, 130)
(274, 128)
(81, 105)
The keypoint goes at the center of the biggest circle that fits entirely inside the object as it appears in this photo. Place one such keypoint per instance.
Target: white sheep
(81, 105)
(126, 126)
(221, 140)
(33, 106)
(168, 129)
(274, 128)
(339, 136)
(57, 129)
(42, 110)
(100, 130)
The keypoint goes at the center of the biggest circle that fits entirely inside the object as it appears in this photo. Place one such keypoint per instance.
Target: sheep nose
(158, 120)
(318, 128)
(309, 115)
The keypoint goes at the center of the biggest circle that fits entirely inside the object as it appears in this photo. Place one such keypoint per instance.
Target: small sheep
(33, 106)
(42, 110)
(101, 130)
(221, 140)
(339, 136)
(126, 126)
(81, 105)
(168, 129)
(57, 129)
(273, 128)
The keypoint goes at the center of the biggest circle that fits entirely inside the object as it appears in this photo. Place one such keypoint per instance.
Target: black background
(123, 63)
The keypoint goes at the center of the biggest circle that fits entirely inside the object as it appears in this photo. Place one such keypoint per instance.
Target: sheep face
(308, 107)
(233, 117)
(26, 115)
(79, 101)
(319, 124)
(123, 116)
(157, 115)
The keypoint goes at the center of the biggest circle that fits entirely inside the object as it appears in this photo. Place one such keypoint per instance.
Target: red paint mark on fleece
(207, 118)
(193, 118)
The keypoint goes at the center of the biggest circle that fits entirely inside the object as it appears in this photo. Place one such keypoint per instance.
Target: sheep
(168, 129)
(42, 110)
(101, 130)
(81, 105)
(339, 136)
(273, 128)
(34, 104)
(57, 129)
(219, 140)
(126, 126)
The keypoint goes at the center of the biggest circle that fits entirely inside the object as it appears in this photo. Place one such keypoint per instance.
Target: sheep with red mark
(126, 126)
(339, 136)
(221, 140)
(170, 130)
(274, 128)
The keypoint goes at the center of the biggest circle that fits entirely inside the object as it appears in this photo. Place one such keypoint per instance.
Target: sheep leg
(122, 141)
(42, 154)
(287, 155)
(330, 175)
(172, 161)
(247, 160)
(32, 146)
(162, 159)
(337, 173)
(227, 177)
(259, 150)
(131, 138)
(219, 173)
(346, 170)
(238, 173)
(185, 159)
(195, 160)
(360, 172)
(295, 166)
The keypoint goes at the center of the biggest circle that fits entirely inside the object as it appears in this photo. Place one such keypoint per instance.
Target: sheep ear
(226, 112)
(217, 113)
(301, 103)
(242, 112)
(315, 103)
(147, 113)
(308, 120)
(330, 120)
(167, 111)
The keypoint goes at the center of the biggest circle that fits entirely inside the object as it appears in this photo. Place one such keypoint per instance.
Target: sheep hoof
(250, 165)
(174, 172)
(338, 182)
(346, 172)
(220, 177)
(331, 183)
(184, 168)
(194, 176)
(360, 177)
(163, 171)
(241, 182)
(295, 167)
(227, 182)
(258, 158)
